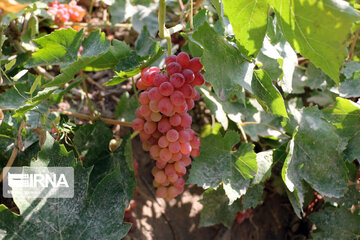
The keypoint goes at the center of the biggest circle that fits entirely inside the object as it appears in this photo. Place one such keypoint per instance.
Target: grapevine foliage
(280, 79)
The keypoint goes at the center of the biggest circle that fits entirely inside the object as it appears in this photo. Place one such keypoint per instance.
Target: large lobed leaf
(217, 209)
(315, 156)
(336, 223)
(218, 164)
(85, 216)
(248, 19)
(318, 29)
(225, 67)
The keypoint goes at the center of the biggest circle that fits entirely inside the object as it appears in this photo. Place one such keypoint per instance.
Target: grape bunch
(66, 12)
(163, 121)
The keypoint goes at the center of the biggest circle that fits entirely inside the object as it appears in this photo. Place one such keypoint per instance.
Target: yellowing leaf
(12, 6)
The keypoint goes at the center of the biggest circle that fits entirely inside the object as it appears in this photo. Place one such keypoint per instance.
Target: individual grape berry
(177, 156)
(173, 178)
(184, 136)
(155, 151)
(174, 147)
(145, 110)
(183, 108)
(190, 104)
(161, 192)
(144, 98)
(177, 80)
(170, 59)
(195, 142)
(164, 125)
(149, 127)
(159, 79)
(138, 124)
(195, 152)
(140, 85)
(155, 116)
(154, 94)
(173, 67)
(165, 155)
(183, 59)
(188, 75)
(195, 65)
(154, 106)
(166, 89)
(172, 192)
(172, 135)
(163, 142)
(199, 80)
(175, 120)
(177, 98)
(185, 148)
(186, 90)
(160, 177)
(165, 106)
(170, 170)
(186, 120)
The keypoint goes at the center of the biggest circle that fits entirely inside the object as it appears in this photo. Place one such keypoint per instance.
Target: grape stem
(17, 146)
(89, 102)
(266, 125)
(163, 31)
(87, 117)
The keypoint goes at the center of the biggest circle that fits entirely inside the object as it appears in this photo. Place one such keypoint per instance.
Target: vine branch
(353, 44)
(17, 146)
(163, 31)
(266, 125)
(89, 118)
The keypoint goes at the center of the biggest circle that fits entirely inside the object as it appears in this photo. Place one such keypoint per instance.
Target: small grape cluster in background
(66, 12)
(163, 121)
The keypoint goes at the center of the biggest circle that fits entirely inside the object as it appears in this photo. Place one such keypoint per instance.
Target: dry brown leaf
(11, 6)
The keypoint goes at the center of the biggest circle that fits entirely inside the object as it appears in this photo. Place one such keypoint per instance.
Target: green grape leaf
(216, 208)
(84, 216)
(218, 164)
(92, 142)
(145, 44)
(350, 198)
(126, 106)
(345, 115)
(335, 223)
(225, 67)
(350, 88)
(249, 20)
(253, 196)
(14, 97)
(268, 96)
(95, 45)
(116, 52)
(59, 47)
(318, 30)
(132, 65)
(352, 150)
(315, 150)
(264, 162)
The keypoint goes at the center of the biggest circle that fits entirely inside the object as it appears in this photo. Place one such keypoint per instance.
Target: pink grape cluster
(163, 121)
(66, 12)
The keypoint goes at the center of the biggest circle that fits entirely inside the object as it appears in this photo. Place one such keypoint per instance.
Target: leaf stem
(92, 114)
(353, 44)
(134, 88)
(266, 125)
(17, 146)
(87, 117)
